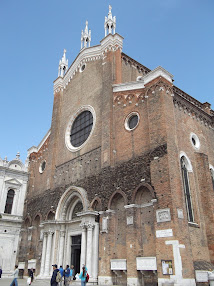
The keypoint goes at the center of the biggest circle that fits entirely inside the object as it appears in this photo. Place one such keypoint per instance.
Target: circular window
(80, 128)
(132, 121)
(194, 140)
(42, 167)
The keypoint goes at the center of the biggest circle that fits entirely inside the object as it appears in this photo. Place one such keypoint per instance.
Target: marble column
(83, 245)
(90, 227)
(44, 246)
(48, 253)
(61, 247)
(95, 251)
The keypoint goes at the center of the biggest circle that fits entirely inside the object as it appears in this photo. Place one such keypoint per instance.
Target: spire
(86, 37)
(18, 156)
(63, 65)
(110, 23)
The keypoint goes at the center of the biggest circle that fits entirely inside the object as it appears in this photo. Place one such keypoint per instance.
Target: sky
(174, 34)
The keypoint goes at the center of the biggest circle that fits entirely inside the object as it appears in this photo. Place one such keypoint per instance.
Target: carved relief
(163, 215)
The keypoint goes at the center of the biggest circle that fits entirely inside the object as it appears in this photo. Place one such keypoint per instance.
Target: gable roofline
(36, 149)
(110, 42)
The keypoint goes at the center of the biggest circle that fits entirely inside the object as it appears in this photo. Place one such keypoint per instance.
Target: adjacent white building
(13, 185)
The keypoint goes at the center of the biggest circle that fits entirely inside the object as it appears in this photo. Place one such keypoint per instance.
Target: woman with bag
(84, 276)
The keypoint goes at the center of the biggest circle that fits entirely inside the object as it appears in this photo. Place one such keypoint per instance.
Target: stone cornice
(193, 110)
(144, 80)
(109, 43)
(13, 173)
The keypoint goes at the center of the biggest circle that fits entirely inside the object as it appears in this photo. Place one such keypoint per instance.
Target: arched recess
(50, 215)
(145, 219)
(72, 196)
(147, 189)
(27, 222)
(36, 233)
(117, 193)
(96, 204)
(118, 221)
(24, 245)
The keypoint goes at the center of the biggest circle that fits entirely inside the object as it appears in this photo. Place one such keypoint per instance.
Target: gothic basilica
(123, 181)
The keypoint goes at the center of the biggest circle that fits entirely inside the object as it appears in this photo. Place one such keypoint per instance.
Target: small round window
(194, 140)
(80, 128)
(82, 68)
(132, 121)
(42, 167)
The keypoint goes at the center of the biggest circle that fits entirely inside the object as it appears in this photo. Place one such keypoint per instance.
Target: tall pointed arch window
(186, 185)
(9, 201)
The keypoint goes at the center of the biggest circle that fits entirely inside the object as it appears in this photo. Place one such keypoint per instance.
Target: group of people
(68, 274)
(57, 279)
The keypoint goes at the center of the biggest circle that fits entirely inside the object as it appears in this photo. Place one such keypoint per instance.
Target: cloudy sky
(176, 34)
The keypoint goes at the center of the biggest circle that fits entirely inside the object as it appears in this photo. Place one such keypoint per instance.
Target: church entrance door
(76, 252)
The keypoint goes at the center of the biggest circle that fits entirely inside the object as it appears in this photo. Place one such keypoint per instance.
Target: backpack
(58, 277)
(87, 278)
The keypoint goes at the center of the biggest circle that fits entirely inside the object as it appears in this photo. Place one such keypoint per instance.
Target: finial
(110, 23)
(86, 37)
(5, 159)
(18, 155)
(63, 65)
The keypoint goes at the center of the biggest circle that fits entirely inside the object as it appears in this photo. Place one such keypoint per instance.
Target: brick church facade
(124, 179)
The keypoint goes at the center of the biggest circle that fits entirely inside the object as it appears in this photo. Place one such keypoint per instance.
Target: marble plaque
(105, 224)
(164, 233)
(180, 213)
(21, 265)
(118, 264)
(32, 264)
(129, 220)
(163, 215)
(146, 263)
(201, 276)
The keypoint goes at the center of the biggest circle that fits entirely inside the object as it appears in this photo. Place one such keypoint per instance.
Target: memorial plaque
(163, 215)
(21, 265)
(129, 220)
(164, 233)
(32, 264)
(105, 224)
(118, 264)
(201, 276)
(180, 213)
(146, 263)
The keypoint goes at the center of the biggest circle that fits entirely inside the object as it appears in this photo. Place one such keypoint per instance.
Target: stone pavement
(23, 282)
(38, 282)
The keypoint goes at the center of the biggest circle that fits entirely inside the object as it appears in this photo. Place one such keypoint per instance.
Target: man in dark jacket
(53, 278)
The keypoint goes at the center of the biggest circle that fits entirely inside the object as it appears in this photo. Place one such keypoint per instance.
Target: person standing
(72, 273)
(67, 275)
(83, 276)
(15, 274)
(0, 272)
(62, 274)
(31, 274)
(53, 278)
